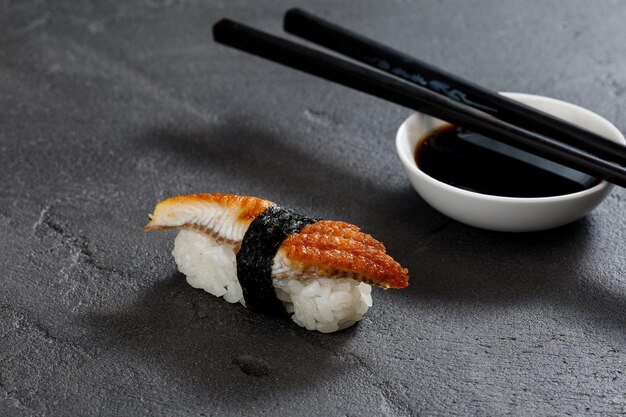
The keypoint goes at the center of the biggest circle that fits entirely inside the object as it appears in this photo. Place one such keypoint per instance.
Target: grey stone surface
(107, 107)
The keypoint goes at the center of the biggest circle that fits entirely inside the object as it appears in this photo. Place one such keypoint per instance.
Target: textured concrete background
(107, 107)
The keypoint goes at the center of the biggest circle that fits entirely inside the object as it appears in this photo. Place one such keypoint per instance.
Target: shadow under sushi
(209, 347)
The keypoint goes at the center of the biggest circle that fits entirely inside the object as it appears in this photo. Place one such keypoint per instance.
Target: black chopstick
(362, 49)
(392, 89)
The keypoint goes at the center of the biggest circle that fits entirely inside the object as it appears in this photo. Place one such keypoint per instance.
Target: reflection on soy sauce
(474, 162)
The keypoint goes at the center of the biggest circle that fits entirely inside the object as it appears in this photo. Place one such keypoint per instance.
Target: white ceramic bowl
(507, 214)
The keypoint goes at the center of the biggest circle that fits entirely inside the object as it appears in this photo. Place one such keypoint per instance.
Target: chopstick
(400, 92)
(367, 51)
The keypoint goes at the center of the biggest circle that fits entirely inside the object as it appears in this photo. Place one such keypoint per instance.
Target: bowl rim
(409, 160)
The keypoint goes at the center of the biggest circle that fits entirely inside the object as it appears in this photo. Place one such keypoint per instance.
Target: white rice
(208, 265)
(324, 304)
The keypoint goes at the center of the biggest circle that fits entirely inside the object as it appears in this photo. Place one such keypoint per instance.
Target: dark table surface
(107, 107)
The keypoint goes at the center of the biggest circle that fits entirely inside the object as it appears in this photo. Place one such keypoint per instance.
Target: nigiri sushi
(273, 260)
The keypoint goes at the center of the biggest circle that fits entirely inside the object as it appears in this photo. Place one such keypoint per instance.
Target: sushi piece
(273, 260)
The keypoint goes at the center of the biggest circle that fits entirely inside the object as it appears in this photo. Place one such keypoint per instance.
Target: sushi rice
(326, 304)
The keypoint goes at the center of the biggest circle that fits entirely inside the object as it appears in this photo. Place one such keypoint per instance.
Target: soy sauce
(474, 162)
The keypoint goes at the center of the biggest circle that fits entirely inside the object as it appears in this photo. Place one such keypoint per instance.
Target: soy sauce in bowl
(474, 162)
(484, 208)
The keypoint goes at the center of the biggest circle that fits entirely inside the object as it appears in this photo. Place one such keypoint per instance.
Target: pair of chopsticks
(409, 82)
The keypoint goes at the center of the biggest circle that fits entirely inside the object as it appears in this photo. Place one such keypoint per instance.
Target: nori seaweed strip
(258, 248)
